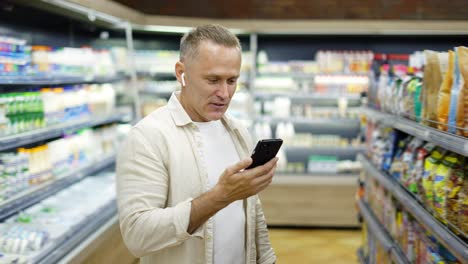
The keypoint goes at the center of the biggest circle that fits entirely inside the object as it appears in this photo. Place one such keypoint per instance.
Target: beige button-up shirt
(159, 172)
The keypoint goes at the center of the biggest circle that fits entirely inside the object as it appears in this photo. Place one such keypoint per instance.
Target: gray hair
(215, 33)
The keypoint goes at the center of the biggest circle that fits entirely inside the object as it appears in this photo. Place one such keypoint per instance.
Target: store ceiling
(305, 9)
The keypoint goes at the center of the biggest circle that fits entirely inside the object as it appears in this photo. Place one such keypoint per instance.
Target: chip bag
(443, 99)
(443, 171)
(431, 85)
(462, 111)
(454, 191)
(430, 167)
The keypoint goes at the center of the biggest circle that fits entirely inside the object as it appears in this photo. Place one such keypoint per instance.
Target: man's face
(211, 80)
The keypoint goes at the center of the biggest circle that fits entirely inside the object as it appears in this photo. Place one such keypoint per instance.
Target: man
(184, 195)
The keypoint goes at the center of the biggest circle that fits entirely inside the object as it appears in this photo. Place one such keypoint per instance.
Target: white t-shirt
(219, 152)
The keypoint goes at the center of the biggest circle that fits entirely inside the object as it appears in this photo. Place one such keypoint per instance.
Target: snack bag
(415, 185)
(462, 111)
(441, 178)
(443, 99)
(455, 99)
(396, 167)
(408, 161)
(430, 167)
(463, 202)
(409, 100)
(391, 147)
(454, 191)
(431, 85)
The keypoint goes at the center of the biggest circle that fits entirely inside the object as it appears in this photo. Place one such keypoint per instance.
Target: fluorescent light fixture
(88, 12)
(176, 29)
(167, 29)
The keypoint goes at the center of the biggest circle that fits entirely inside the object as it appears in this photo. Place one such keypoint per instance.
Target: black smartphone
(264, 151)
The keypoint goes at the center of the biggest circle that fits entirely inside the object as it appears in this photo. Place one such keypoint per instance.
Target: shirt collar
(181, 118)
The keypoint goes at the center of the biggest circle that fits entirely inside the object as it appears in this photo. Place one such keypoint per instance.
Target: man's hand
(234, 184)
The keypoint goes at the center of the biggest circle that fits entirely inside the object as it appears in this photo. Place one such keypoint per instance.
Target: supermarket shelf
(315, 99)
(157, 75)
(361, 257)
(306, 179)
(303, 75)
(379, 232)
(164, 94)
(344, 127)
(317, 174)
(24, 200)
(294, 75)
(301, 154)
(60, 247)
(22, 139)
(57, 80)
(454, 244)
(445, 140)
(88, 246)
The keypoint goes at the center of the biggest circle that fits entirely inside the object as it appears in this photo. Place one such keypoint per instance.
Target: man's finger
(264, 169)
(239, 166)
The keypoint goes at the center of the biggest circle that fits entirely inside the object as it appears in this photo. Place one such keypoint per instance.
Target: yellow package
(441, 178)
(430, 167)
(443, 99)
(431, 85)
(462, 118)
(455, 190)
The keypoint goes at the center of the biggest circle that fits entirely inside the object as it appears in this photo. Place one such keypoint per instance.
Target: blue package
(391, 148)
(454, 94)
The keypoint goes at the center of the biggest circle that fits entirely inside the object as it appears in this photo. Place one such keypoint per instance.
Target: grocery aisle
(374, 126)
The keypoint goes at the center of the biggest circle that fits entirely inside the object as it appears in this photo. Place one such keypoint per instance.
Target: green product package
(417, 99)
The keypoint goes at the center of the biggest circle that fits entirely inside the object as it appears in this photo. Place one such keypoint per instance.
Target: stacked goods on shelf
(340, 85)
(418, 244)
(314, 163)
(377, 251)
(26, 111)
(332, 74)
(32, 234)
(156, 61)
(344, 61)
(14, 56)
(66, 61)
(21, 112)
(435, 176)
(28, 167)
(282, 106)
(19, 60)
(434, 93)
(320, 84)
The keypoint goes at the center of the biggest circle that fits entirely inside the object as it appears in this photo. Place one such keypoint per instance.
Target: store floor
(309, 246)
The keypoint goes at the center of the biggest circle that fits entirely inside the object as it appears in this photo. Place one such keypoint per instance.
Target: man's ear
(179, 71)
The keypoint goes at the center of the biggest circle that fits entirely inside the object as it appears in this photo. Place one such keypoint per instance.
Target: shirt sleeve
(265, 253)
(147, 225)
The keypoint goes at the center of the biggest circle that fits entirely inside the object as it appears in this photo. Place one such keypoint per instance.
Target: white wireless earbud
(183, 79)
